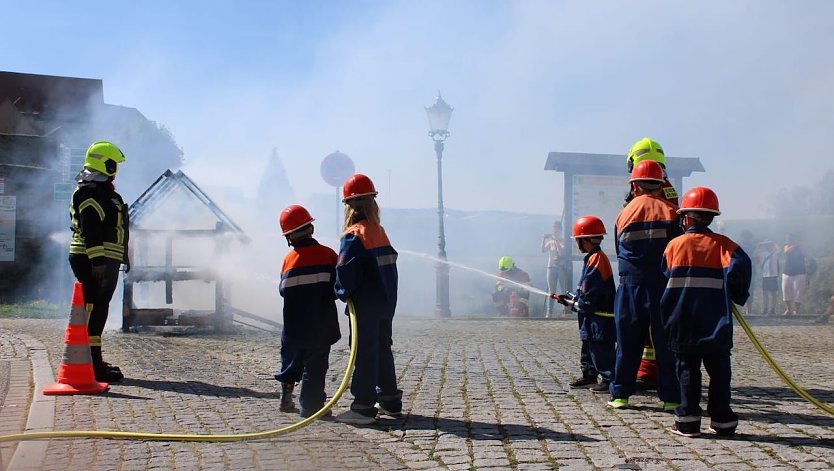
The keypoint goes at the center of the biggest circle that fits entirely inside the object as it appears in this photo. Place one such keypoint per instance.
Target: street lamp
(439, 114)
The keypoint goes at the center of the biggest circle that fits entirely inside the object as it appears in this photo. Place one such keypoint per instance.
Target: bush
(33, 310)
(821, 287)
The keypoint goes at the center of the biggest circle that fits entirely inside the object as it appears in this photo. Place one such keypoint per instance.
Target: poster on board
(8, 209)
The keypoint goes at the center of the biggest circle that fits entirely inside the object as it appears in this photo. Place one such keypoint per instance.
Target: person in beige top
(554, 246)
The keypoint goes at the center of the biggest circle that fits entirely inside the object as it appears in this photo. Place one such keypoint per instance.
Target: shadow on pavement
(822, 420)
(199, 388)
(811, 442)
(482, 430)
(110, 393)
(769, 394)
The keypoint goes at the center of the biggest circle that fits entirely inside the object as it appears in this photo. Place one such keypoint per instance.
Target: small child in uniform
(707, 273)
(311, 322)
(594, 304)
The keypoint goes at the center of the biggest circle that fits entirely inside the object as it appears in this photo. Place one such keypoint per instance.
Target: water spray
(529, 288)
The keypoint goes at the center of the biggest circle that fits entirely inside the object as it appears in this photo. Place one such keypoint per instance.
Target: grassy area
(33, 310)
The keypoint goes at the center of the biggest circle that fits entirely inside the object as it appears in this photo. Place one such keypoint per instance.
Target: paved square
(479, 394)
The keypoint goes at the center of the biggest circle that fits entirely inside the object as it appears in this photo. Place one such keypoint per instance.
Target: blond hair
(363, 207)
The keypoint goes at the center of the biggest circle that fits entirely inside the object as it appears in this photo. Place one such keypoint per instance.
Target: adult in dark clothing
(794, 275)
(99, 223)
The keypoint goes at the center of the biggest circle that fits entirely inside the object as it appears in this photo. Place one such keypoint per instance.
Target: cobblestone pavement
(479, 394)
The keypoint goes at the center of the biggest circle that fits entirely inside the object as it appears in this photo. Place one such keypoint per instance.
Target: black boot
(102, 371)
(287, 404)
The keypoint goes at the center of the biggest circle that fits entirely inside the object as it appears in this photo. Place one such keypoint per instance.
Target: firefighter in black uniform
(99, 224)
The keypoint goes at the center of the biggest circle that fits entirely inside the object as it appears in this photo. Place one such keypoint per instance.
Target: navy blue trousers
(374, 376)
(717, 364)
(636, 310)
(309, 366)
(602, 338)
(586, 361)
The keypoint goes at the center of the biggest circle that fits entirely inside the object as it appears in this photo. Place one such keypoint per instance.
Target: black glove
(127, 264)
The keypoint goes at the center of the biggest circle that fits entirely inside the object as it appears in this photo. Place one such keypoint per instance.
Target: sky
(744, 85)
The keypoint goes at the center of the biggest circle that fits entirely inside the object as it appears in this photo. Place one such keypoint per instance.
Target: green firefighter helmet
(103, 157)
(645, 149)
(505, 263)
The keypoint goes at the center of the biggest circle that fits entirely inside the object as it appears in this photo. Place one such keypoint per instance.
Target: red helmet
(699, 198)
(588, 226)
(293, 218)
(357, 185)
(647, 171)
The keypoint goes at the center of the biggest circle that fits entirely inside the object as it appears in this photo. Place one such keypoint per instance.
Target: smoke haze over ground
(745, 86)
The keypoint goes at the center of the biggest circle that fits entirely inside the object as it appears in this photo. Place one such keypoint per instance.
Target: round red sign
(336, 168)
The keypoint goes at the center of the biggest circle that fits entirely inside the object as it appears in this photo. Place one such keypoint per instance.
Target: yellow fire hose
(177, 437)
(801, 392)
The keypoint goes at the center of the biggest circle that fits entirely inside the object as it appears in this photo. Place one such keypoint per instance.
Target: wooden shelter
(144, 231)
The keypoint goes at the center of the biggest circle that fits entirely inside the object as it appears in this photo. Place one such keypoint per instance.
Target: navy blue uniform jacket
(642, 230)
(307, 276)
(596, 285)
(707, 272)
(367, 270)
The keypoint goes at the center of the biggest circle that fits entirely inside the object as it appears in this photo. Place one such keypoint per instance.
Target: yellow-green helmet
(505, 263)
(103, 157)
(645, 149)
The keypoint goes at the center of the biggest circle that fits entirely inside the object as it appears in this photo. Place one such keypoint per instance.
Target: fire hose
(796, 388)
(176, 437)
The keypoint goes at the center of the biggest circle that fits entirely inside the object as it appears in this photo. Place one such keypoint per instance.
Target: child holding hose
(594, 303)
(707, 273)
(366, 274)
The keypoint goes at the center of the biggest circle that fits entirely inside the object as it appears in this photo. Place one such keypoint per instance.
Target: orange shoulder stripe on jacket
(313, 255)
(599, 261)
(371, 235)
(646, 208)
(700, 250)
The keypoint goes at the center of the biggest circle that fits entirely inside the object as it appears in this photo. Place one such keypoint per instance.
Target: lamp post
(439, 114)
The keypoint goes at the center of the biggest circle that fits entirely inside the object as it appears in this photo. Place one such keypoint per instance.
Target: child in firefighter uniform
(100, 233)
(311, 323)
(594, 303)
(649, 149)
(642, 230)
(707, 273)
(366, 274)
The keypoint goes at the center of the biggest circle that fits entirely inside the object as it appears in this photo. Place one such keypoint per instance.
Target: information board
(600, 196)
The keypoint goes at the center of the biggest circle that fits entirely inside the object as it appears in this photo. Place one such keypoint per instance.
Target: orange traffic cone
(75, 375)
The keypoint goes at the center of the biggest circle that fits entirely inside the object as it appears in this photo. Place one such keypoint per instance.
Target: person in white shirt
(768, 254)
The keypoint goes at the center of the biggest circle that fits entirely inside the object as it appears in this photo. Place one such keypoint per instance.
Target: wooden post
(169, 269)
(221, 245)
